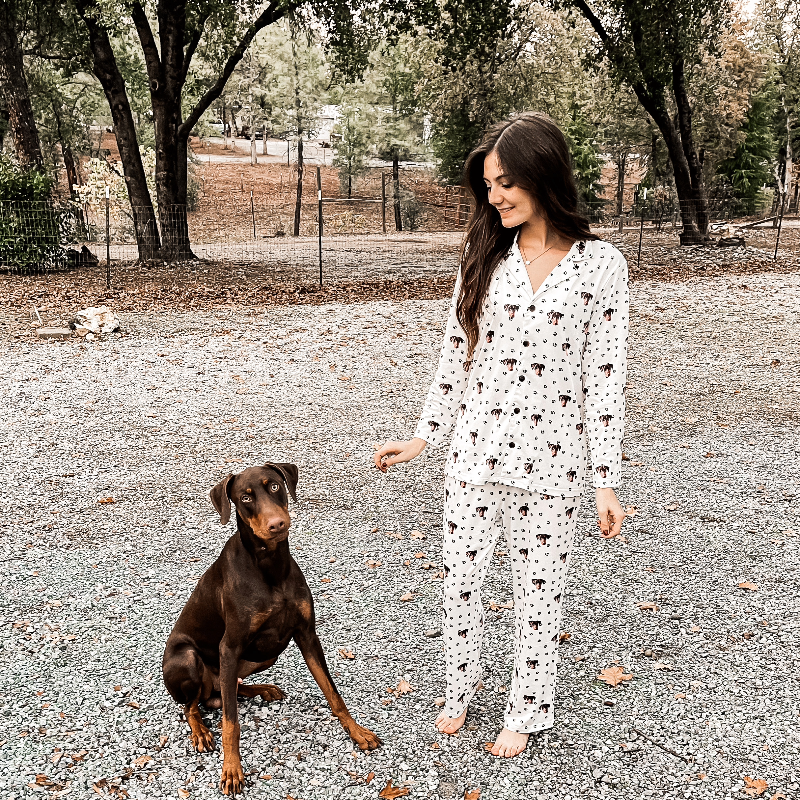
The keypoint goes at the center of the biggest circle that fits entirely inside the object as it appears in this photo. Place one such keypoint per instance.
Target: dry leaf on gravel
(142, 760)
(631, 511)
(672, 507)
(369, 777)
(472, 794)
(417, 535)
(648, 606)
(345, 653)
(324, 580)
(749, 585)
(755, 787)
(614, 676)
(407, 596)
(372, 564)
(404, 687)
(184, 793)
(389, 792)
(563, 637)
(106, 500)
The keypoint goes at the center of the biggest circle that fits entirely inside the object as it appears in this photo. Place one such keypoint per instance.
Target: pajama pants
(539, 530)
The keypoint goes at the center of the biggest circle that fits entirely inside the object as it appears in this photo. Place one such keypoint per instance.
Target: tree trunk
(14, 89)
(622, 160)
(264, 141)
(697, 192)
(107, 72)
(398, 218)
(299, 197)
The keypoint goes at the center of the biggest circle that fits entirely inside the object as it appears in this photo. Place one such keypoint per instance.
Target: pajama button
(511, 444)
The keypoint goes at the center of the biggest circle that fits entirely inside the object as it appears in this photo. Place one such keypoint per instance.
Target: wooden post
(253, 213)
(780, 223)
(108, 243)
(641, 230)
(398, 218)
(319, 223)
(383, 201)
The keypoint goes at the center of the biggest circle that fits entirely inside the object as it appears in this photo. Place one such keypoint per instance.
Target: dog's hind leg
(189, 681)
(266, 691)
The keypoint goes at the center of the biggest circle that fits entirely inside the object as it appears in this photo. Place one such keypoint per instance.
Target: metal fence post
(780, 223)
(108, 242)
(319, 224)
(641, 231)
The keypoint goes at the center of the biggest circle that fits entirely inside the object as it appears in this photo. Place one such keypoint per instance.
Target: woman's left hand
(610, 513)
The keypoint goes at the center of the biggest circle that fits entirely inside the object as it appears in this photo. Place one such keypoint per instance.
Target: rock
(94, 320)
(53, 333)
(731, 241)
(433, 633)
(597, 773)
(81, 258)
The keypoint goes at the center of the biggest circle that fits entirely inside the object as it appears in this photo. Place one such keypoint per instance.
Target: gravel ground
(155, 417)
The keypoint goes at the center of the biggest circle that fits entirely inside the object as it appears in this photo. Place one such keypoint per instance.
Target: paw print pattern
(539, 403)
(539, 531)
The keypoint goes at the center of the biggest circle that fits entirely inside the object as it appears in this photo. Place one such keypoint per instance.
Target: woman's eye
(246, 498)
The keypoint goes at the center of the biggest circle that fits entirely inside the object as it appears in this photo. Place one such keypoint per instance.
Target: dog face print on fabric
(540, 401)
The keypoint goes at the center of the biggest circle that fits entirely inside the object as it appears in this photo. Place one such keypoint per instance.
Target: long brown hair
(533, 154)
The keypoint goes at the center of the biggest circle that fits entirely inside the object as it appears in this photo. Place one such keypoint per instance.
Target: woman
(532, 375)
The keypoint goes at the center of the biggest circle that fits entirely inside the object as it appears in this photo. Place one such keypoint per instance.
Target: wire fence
(335, 240)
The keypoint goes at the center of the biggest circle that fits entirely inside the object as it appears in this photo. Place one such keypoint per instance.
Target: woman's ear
(221, 499)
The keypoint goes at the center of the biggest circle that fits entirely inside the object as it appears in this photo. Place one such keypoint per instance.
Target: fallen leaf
(184, 793)
(163, 740)
(436, 746)
(369, 777)
(345, 653)
(372, 564)
(100, 785)
(754, 787)
(324, 580)
(680, 696)
(648, 606)
(142, 760)
(419, 555)
(695, 629)
(404, 687)
(614, 676)
(106, 500)
(133, 704)
(749, 585)
(389, 792)
(631, 511)
(407, 596)
(488, 745)
(659, 665)
(417, 535)
(472, 794)
(439, 701)
(671, 507)
(563, 637)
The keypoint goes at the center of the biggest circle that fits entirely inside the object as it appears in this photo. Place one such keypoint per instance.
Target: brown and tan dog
(250, 603)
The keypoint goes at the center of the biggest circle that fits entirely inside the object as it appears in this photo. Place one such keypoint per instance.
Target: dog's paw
(232, 778)
(272, 692)
(203, 740)
(364, 738)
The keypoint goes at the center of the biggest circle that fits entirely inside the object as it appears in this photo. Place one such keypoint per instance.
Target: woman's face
(514, 205)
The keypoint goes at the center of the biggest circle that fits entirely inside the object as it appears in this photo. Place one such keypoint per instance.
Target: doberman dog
(242, 615)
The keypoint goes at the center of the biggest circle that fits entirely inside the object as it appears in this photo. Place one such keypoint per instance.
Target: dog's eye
(246, 498)
(274, 487)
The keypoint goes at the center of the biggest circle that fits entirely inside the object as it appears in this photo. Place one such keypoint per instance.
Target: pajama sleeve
(604, 369)
(450, 382)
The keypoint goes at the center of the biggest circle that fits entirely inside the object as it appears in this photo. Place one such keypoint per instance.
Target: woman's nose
(494, 196)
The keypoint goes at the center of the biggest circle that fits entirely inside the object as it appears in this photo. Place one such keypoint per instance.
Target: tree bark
(107, 72)
(298, 204)
(14, 88)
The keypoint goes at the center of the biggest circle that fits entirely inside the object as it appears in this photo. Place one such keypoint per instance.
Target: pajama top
(546, 383)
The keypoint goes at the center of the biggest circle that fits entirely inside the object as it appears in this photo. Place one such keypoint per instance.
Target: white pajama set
(544, 389)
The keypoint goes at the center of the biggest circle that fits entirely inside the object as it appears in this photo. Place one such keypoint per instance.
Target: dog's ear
(290, 473)
(221, 499)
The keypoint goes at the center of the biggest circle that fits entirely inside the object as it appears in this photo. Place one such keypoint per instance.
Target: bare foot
(509, 744)
(450, 725)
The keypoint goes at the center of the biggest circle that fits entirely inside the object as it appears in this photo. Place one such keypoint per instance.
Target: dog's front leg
(310, 647)
(232, 779)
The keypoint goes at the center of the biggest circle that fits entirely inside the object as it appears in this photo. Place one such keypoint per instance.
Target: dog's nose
(277, 525)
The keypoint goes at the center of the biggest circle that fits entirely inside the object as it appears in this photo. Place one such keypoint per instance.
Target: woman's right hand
(397, 452)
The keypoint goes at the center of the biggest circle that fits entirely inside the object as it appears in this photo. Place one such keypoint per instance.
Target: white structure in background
(327, 119)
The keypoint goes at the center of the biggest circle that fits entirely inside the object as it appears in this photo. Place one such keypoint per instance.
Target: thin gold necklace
(530, 261)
